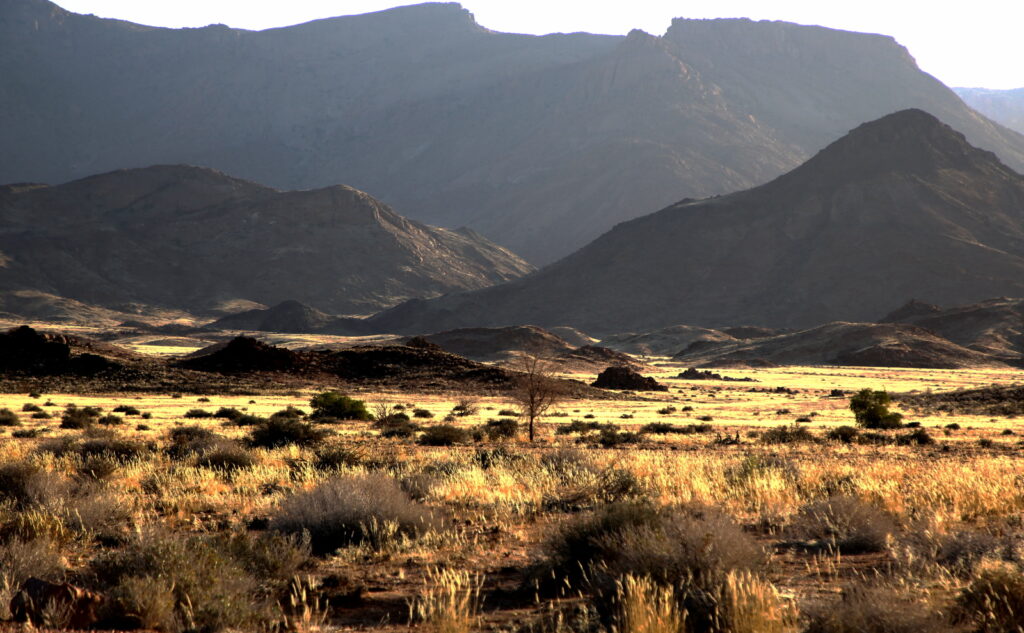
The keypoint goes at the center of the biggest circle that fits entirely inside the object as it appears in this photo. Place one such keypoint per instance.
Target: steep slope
(902, 206)
(1003, 106)
(194, 238)
(542, 143)
(995, 326)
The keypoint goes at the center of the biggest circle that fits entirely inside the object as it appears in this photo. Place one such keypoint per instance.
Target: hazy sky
(975, 43)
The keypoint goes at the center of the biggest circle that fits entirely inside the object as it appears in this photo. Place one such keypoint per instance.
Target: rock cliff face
(900, 207)
(194, 238)
(540, 143)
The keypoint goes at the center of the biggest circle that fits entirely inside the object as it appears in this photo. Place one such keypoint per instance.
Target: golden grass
(504, 509)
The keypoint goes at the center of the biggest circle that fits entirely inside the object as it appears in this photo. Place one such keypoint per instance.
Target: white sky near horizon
(976, 44)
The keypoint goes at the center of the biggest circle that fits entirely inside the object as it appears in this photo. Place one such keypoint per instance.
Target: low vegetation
(623, 515)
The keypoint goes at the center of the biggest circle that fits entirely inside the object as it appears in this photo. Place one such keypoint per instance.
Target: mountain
(289, 317)
(994, 326)
(193, 238)
(541, 143)
(859, 344)
(499, 343)
(901, 206)
(664, 341)
(1003, 106)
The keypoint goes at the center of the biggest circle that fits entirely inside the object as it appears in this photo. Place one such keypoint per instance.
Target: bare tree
(535, 389)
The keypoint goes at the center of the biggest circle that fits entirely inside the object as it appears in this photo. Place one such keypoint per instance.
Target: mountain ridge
(797, 251)
(543, 141)
(190, 238)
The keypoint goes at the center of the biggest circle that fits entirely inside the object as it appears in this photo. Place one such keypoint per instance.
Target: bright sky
(976, 43)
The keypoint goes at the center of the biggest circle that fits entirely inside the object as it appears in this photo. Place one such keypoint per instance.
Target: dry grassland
(717, 530)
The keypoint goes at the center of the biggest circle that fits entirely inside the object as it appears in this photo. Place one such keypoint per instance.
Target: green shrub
(41, 415)
(871, 409)
(352, 509)
(663, 428)
(126, 409)
(9, 418)
(331, 404)
(188, 441)
(787, 435)
(228, 413)
(76, 418)
(577, 426)
(443, 435)
(611, 437)
(110, 420)
(289, 412)
(402, 429)
(278, 432)
(503, 428)
(918, 436)
(198, 414)
(844, 434)
(422, 413)
(30, 407)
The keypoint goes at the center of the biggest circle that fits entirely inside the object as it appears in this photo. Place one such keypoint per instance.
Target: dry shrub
(692, 546)
(845, 524)
(994, 601)
(26, 485)
(24, 559)
(272, 557)
(961, 553)
(353, 509)
(879, 608)
(179, 583)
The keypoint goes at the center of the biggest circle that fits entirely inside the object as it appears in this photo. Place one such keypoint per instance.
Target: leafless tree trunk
(536, 389)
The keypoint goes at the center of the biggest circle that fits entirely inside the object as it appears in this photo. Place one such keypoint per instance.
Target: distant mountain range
(900, 207)
(196, 239)
(1003, 106)
(540, 143)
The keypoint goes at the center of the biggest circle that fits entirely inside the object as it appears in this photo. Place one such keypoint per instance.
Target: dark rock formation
(624, 378)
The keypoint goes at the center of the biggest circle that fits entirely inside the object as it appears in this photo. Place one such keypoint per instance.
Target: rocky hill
(901, 206)
(860, 344)
(994, 326)
(1003, 106)
(194, 238)
(541, 143)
